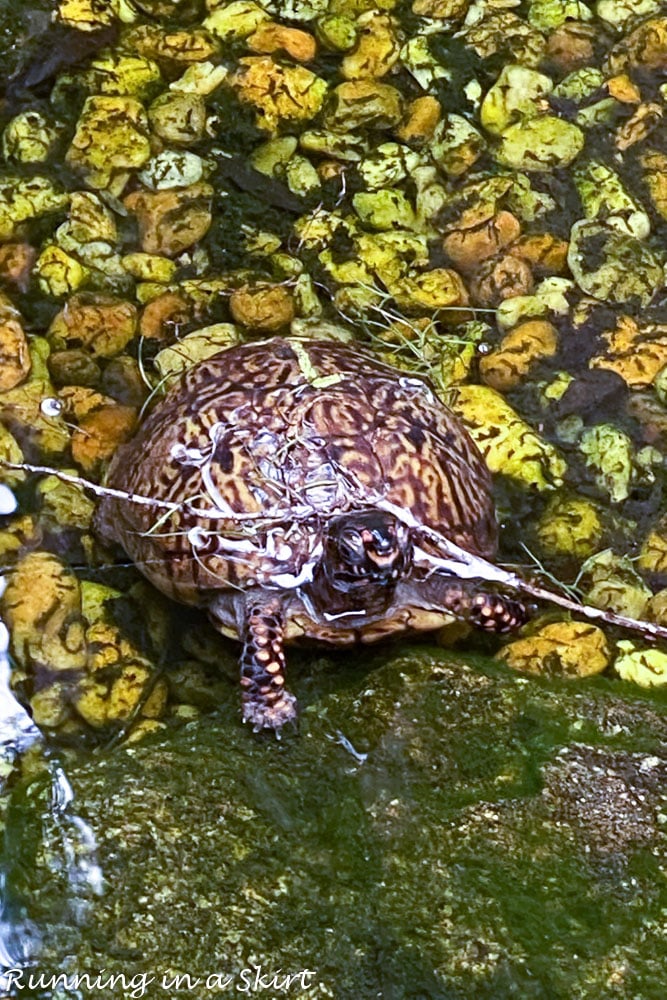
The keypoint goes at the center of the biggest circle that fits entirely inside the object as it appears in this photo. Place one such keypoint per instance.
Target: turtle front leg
(483, 609)
(266, 702)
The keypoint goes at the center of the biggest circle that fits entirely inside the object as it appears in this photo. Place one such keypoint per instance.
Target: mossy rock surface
(501, 838)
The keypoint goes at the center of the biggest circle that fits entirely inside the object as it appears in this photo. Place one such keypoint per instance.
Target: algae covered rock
(538, 144)
(604, 197)
(641, 665)
(25, 198)
(561, 649)
(363, 103)
(518, 352)
(515, 96)
(29, 137)
(171, 220)
(637, 351)
(196, 346)
(611, 582)
(101, 324)
(15, 363)
(277, 92)
(111, 138)
(608, 454)
(262, 307)
(613, 266)
(508, 444)
(569, 526)
(178, 117)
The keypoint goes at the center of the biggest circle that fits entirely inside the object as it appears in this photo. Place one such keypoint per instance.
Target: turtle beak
(383, 554)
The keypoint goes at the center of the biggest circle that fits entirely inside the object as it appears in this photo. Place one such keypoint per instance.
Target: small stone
(638, 353)
(163, 318)
(171, 221)
(645, 120)
(123, 75)
(16, 264)
(178, 118)
(420, 120)
(503, 276)
(101, 324)
(29, 138)
(542, 143)
(99, 434)
(26, 198)
(608, 454)
(180, 46)
(172, 169)
(611, 266)
(261, 307)
(272, 37)
(446, 10)
(439, 288)
(456, 145)
(550, 297)
(59, 273)
(124, 382)
(561, 649)
(111, 137)
(518, 352)
(645, 48)
(547, 15)
(377, 48)
(569, 527)
(277, 92)
(42, 609)
(645, 666)
(517, 94)
(337, 32)
(509, 445)
(15, 360)
(363, 103)
(504, 33)
(653, 553)
(604, 197)
(468, 247)
(149, 267)
(571, 47)
(235, 20)
(172, 361)
(73, 367)
(610, 582)
(544, 252)
(386, 209)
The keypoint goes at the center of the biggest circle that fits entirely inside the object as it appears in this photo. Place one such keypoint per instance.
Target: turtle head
(365, 548)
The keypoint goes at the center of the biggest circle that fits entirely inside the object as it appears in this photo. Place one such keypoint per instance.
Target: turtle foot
(261, 713)
(497, 613)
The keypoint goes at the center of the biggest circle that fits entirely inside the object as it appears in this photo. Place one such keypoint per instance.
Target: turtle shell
(258, 446)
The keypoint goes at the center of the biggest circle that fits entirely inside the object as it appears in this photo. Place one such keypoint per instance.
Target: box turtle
(291, 479)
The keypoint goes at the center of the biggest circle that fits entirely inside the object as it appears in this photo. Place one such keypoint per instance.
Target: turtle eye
(352, 539)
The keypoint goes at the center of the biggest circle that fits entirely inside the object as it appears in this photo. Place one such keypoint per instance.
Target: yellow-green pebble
(560, 649)
(644, 666)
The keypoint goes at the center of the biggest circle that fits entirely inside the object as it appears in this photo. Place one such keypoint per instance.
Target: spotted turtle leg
(488, 611)
(266, 702)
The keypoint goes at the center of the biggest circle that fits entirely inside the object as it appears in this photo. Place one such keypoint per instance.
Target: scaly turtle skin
(288, 463)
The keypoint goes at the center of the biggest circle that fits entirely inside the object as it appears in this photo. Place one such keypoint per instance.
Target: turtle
(283, 485)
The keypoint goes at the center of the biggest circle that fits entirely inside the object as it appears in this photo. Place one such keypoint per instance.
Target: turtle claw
(262, 714)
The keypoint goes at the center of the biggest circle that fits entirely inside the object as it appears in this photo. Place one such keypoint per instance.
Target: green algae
(500, 838)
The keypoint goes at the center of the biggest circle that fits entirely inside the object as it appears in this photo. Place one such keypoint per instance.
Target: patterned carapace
(285, 459)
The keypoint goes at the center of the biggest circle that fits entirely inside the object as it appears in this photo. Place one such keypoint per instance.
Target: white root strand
(454, 560)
